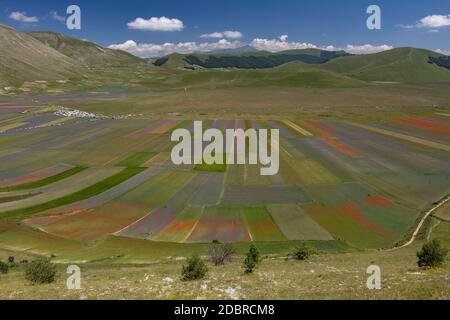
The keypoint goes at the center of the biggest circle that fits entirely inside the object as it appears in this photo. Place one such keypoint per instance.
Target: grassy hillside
(325, 276)
(266, 78)
(86, 52)
(251, 60)
(41, 57)
(105, 63)
(309, 68)
(23, 58)
(399, 65)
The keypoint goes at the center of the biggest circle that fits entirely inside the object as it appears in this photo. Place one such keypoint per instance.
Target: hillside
(23, 58)
(86, 52)
(105, 62)
(400, 65)
(233, 52)
(251, 60)
(313, 78)
(324, 276)
(396, 65)
(27, 57)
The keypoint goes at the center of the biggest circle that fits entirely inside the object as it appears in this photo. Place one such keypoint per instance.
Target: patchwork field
(342, 183)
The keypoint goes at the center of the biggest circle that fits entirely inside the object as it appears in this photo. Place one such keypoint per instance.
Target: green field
(346, 181)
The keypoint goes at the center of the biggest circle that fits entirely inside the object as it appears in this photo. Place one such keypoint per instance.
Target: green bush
(4, 268)
(432, 254)
(40, 271)
(304, 252)
(193, 269)
(252, 259)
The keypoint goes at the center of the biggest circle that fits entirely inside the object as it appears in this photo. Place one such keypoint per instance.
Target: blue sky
(309, 23)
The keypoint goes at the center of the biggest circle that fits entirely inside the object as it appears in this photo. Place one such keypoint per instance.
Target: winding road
(419, 226)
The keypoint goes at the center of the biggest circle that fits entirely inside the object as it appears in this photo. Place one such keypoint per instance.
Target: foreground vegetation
(321, 276)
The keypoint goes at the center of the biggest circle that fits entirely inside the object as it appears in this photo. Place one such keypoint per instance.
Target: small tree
(252, 259)
(220, 254)
(304, 252)
(193, 269)
(432, 254)
(11, 259)
(4, 268)
(40, 271)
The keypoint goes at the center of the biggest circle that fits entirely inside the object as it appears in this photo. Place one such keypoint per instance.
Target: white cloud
(22, 17)
(150, 50)
(214, 35)
(281, 44)
(447, 53)
(224, 34)
(433, 31)
(126, 46)
(232, 34)
(366, 49)
(434, 21)
(57, 17)
(156, 24)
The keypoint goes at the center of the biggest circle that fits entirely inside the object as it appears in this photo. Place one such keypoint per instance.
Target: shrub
(4, 268)
(304, 252)
(40, 271)
(220, 254)
(193, 269)
(11, 259)
(432, 254)
(252, 259)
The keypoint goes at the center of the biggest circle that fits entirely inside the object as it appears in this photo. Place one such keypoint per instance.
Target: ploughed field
(70, 183)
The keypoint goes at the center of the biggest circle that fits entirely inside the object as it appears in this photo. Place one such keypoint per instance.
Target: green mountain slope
(268, 77)
(83, 51)
(250, 60)
(23, 58)
(400, 65)
(104, 62)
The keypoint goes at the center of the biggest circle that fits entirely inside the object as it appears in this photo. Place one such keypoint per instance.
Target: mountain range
(49, 56)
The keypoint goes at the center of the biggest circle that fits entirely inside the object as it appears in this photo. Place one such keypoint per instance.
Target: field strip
(46, 180)
(422, 221)
(7, 152)
(247, 225)
(443, 114)
(11, 126)
(297, 128)
(88, 192)
(109, 194)
(195, 225)
(401, 136)
(117, 233)
(62, 188)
